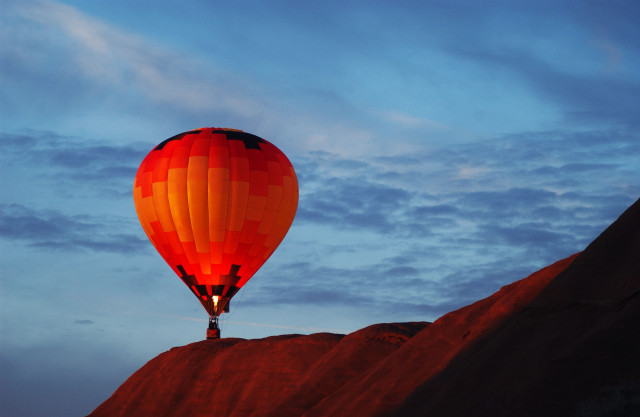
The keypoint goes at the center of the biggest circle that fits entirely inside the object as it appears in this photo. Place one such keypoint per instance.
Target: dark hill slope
(574, 351)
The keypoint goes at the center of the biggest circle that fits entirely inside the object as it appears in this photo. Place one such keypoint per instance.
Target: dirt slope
(563, 341)
(574, 351)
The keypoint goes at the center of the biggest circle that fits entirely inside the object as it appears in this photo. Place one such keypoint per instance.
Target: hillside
(563, 341)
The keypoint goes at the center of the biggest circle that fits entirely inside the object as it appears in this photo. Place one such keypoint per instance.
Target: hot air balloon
(215, 203)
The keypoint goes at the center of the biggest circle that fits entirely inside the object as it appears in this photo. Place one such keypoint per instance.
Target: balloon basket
(213, 331)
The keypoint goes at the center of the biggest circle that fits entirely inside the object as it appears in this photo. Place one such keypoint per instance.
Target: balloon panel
(215, 203)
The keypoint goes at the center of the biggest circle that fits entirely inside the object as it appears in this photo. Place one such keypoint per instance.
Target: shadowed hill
(562, 341)
(574, 351)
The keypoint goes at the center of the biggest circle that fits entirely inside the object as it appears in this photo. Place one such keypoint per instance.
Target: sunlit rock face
(562, 342)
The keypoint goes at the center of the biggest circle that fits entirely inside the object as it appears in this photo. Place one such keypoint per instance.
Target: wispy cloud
(112, 57)
(119, 72)
(450, 239)
(353, 203)
(587, 97)
(519, 184)
(52, 230)
(89, 166)
(392, 288)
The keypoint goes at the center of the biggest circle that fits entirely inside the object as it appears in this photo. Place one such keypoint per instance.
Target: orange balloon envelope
(215, 203)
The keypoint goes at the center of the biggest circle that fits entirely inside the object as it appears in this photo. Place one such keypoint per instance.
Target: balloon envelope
(215, 203)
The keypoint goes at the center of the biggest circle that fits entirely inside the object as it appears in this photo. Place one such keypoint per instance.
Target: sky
(443, 149)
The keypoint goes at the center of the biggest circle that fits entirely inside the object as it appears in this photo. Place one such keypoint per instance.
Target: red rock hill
(564, 341)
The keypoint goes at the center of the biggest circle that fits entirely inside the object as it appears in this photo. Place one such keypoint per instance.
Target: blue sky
(443, 149)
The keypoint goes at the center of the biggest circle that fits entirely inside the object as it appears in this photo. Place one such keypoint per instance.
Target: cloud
(351, 201)
(612, 23)
(50, 229)
(433, 210)
(355, 286)
(392, 288)
(533, 236)
(77, 61)
(450, 240)
(133, 85)
(583, 97)
(523, 180)
(93, 166)
(504, 204)
(68, 152)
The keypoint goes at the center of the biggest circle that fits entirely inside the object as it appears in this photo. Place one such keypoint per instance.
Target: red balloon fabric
(215, 203)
